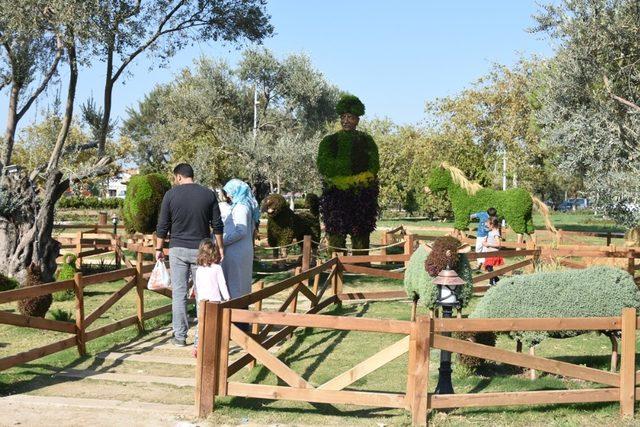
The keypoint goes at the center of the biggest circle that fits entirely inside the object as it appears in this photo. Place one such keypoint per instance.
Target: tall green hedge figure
(142, 202)
(348, 163)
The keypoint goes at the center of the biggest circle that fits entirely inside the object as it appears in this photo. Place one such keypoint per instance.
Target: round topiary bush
(36, 306)
(142, 202)
(419, 283)
(7, 283)
(593, 292)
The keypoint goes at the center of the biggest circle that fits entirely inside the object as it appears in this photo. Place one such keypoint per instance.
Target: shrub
(90, 202)
(62, 315)
(66, 272)
(7, 283)
(143, 200)
(36, 306)
(418, 282)
(438, 259)
(593, 292)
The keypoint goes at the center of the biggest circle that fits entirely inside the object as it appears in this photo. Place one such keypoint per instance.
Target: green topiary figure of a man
(348, 163)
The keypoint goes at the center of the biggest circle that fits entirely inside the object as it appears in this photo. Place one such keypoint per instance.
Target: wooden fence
(218, 328)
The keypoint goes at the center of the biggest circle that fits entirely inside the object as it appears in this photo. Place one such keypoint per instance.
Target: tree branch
(620, 99)
(47, 78)
(99, 169)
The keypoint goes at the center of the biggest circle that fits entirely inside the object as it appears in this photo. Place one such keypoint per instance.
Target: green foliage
(66, 272)
(61, 315)
(91, 202)
(593, 292)
(350, 104)
(35, 306)
(142, 203)
(7, 283)
(514, 205)
(284, 225)
(348, 158)
(418, 283)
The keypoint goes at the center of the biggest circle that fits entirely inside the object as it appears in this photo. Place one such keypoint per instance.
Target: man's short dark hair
(183, 169)
(492, 211)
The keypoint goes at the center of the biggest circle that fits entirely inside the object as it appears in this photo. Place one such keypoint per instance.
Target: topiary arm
(326, 157)
(374, 158)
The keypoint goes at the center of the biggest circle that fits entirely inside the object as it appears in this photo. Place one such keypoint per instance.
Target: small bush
(142, 203)
(418, 282)
(66, 272)
(90, 202)
(7, 283)
(36, 306)
(61, 315)
(593, 292)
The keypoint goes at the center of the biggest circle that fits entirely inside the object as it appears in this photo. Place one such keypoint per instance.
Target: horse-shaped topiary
(514, 205)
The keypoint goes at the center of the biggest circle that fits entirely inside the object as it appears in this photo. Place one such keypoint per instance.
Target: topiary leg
(360, 241)
(337, 241)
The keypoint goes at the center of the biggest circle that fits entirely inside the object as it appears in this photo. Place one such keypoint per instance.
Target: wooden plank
(275, 339)
(306, 256)
(418, 371)
(370, 271)
(546, 397)
(7, 318)
(525, 360)
(207, 359)
(140, 287)
(270, 361)
(342, 323)
(367, 366)
(253, 297)
(223, 365)
(157, 312)
(308, 293)
(355, 259)
(112, 327)
(502, 253)
(115, 297)
(283, 307)
(326, 283)
(528, 324)
(109, 276)
(80, 321)
(351, 296)
(383, 400)
(35, 291)
(93, 252)
(502, 271)
(36, 353)
(628, 363)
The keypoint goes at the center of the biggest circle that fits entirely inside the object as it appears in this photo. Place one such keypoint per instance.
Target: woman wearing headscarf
(238, 237)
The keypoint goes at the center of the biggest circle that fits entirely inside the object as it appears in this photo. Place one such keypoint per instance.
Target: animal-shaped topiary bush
(425, 265)
(66, 272)
(142, 202)
(36, 306)
(593, 292)
(284, 225)
(7, 283)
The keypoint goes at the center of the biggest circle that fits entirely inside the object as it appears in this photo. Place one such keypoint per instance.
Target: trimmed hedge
(91, 202)
(348, 158)
(66, 272)
(418, 283)
(593, 292)
(514, 205)
(350, 104)
(36, 306)
(142, 203)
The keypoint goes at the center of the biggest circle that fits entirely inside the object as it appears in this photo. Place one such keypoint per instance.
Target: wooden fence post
(609, 238)
(140, 291)
(80, 329)
(631, 265)
(207, 375)
(418, 375)
(408, 246)
(628, 363)
(383, 242)
(306, 257)
(255, 327)
(78, 250)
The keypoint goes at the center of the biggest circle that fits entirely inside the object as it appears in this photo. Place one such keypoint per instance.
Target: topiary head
(439, 180)
(444, 253)
(349, 108)
(273, 205)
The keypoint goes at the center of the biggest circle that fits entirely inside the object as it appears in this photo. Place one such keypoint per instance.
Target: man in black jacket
(189, 213)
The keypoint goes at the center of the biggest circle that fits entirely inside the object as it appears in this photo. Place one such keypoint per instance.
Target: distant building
(118, 185)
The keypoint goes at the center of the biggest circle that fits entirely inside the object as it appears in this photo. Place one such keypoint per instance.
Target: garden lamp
(446, 282)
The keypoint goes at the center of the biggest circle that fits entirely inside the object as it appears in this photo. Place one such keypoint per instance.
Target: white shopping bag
(159, 278)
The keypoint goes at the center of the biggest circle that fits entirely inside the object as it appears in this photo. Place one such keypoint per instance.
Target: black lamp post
(446, 281)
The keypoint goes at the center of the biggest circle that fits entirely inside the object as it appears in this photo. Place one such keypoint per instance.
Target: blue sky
(393, 55)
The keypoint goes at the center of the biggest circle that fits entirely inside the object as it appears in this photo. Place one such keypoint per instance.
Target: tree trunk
(12, 123)
(106, 114)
